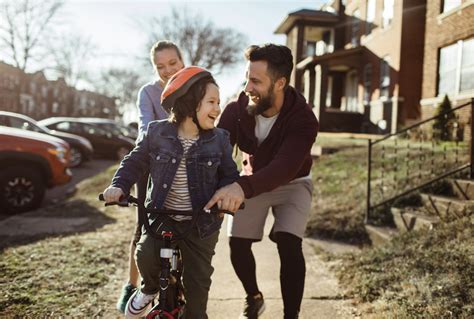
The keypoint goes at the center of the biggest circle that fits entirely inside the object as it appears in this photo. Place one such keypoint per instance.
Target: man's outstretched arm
(227, 198)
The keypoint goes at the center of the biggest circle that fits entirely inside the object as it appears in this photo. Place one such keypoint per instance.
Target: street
(88, 169)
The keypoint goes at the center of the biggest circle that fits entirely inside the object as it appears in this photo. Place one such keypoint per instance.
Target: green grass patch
(59, 274)
(339, 192)
(425, 274)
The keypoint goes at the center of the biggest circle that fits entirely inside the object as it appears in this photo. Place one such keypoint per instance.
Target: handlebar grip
(124, 202)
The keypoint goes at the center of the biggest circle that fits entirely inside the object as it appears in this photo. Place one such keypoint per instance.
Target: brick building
(40, 98)
(9, 81)
(359, 62)
(449, 55)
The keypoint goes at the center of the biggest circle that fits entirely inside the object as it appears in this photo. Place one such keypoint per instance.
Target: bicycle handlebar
(131, 200)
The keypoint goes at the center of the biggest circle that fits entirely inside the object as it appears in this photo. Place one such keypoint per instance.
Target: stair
(409, 219)
(435, 210)
(379, 235)
(463, 188)
(447, 208)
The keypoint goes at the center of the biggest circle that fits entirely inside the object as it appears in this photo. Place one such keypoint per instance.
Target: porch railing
(416, 156)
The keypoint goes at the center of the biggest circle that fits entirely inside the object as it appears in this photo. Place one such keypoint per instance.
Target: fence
(414, 157)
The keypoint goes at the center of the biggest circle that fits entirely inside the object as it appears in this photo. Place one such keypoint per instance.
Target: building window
(387, 14)
(310, 48)
(370, 17)
(352, 82)
(450, 4)
(367, 83)
(355, 40)
(384, 78)
(456, 68)
(55, 107)
(32, 87)
(467, 66)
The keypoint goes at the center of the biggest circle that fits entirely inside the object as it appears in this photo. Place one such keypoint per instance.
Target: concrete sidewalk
(322, 296)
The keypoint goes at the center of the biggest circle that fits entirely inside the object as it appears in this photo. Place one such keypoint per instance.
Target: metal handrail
(449, 172)
(420, 123)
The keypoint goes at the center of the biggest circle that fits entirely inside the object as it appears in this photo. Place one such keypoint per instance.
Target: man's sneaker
(127, 292)
(253, 308)
(138, 304)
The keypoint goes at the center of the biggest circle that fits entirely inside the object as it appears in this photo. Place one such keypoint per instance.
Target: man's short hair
(161, 45)
(278, 58)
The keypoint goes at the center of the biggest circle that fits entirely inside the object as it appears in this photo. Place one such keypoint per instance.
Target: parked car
(105, 143)
(81, 148)
(111, 125)
(30, 162)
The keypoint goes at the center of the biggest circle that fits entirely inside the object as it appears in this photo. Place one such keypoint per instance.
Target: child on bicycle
(189, 159)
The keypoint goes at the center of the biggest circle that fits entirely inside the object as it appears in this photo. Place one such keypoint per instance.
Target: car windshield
(112, 128)
(26, 124)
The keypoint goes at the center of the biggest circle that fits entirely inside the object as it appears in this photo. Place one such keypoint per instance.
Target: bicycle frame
(170, 307)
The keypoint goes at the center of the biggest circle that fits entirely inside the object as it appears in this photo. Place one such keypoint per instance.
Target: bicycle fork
(168, 306)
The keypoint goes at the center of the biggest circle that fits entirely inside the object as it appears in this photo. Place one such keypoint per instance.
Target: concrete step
(411, 219)
(380, 235)
(447, 208)
(463, 188)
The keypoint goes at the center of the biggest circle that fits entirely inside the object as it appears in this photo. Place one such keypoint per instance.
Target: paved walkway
(322, 296)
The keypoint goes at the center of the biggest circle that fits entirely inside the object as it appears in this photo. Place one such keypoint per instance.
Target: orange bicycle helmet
(179, 84)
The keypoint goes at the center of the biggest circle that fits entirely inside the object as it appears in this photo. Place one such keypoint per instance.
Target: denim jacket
(209, 166)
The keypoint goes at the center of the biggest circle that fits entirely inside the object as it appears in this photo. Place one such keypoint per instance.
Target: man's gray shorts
(290, 203)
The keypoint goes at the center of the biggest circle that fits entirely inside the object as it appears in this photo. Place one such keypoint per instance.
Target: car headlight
(59, 152)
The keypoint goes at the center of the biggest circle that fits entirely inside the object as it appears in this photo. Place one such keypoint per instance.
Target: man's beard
(263, 104)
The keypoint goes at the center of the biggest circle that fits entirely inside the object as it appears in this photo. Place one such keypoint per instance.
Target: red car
(29, 163)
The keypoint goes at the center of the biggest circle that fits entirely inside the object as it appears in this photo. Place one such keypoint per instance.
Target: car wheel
(21, 189)
(121, 152)
(76, 157)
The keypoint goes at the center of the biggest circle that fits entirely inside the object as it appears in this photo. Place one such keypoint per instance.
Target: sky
(114, 26)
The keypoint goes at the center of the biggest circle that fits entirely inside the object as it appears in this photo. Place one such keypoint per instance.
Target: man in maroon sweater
(274, 127)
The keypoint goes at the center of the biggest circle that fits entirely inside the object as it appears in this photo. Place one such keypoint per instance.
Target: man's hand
(113, 194)
(227, 198)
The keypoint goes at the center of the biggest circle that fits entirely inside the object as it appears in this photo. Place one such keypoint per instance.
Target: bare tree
(23, 25)
(120, 83)
(70, 53)
(202, 42)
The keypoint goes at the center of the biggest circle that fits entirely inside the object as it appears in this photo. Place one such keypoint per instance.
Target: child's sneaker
(127, 291)
(138, 304)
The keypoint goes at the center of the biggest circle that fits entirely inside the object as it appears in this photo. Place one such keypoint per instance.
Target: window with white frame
(387, 14)
(352, 82)
(456, 68)
(384, 77)
(367, 78)
(450, 4)
(310, 48)
(370, 17)
(467, 66)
